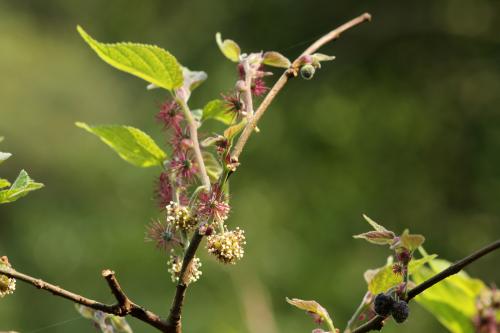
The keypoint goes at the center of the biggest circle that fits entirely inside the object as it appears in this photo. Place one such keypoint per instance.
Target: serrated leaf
(21, 187)
(149, 62)
(228, 47)
(377, 237)
(219, 110)
(131, 144)
(276, 59)
(4, 156)
(4, 183)
(375, 225)
(311, 307)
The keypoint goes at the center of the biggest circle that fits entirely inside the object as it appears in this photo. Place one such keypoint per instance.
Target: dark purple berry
(383, 304)
(400, 311)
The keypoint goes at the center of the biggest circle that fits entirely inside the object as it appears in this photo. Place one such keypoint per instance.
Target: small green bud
(307, 71)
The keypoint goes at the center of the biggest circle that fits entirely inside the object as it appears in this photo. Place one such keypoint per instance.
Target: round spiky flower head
(194, 272)
(162, 234)
(227, 247)
(213, 204)
(179, 217)
(7, 285)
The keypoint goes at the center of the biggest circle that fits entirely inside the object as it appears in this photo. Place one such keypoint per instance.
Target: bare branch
(376, 323)
(124, 306)
(332, 35)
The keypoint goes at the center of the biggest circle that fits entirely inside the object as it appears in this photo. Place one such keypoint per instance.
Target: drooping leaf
(317, 58)
(4, 156)
(408, 241)
(149, 62)
(228, 47)
(276, 59)
(133, 145)
(4, 183)
(21, 187)
(219, 110)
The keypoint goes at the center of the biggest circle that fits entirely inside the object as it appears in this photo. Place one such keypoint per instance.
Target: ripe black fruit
(400, 311)
(383, 304)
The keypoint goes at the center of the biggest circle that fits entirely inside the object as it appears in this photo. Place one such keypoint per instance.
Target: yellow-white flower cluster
(180, 217)
(193, 272)
(228, 246)
(7, 285)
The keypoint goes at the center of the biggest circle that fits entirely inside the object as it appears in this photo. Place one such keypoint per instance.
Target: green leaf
(233, 130)
(149, 62)
(383, 279)
(214, 169)
(229, 48)
(4, 156)
(452, 301)
(411, 241)
(219, 110)
(276, 59)
(4, 183)
(133, 145)
(21, 187)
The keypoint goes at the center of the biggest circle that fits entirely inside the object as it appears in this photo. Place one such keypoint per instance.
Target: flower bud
(307, 71)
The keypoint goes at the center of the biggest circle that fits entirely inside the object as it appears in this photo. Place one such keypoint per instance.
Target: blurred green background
(404, 126)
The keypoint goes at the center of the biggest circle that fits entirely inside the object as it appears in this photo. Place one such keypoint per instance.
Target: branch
(174, 317)
(193, 133)
(376, 323)
(332, 35)
(123, 307)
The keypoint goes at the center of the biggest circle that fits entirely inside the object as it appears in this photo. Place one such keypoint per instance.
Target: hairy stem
(376, 323)
(193, 133)
(332, 35)
(247, 94)
(123, 307)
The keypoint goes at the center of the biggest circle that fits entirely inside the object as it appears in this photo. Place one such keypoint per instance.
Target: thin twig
(193, 133)
(376, 323)
(332, 35)
(124, 306)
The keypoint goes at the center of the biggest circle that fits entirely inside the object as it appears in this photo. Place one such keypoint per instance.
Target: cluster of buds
(227, 247)
(385, 305)
(7, 285)
(179, 217)
(175, 267)
(403, 257)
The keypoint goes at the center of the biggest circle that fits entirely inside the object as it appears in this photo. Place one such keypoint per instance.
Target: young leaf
(149, 62)
(4, 183)
(374, 224)
(377, 237)
(233, 130)
(133, 145)
(213, 167)
(4, 156)
(217, 109)
(313, 308)
(276, 59)
(229, 48)
(409, 241)
(21, 187)
(192, 79)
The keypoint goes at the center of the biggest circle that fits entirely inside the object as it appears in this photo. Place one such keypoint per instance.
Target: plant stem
(362, 306)
(193, 133)
(332, 35)
(376, 323)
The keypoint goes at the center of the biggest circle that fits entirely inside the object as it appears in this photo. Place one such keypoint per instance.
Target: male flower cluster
(179, 217)
(7, 285)
(193, 271)
(227, 247)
